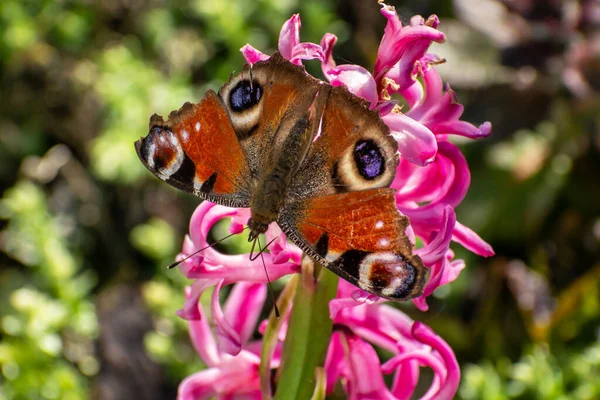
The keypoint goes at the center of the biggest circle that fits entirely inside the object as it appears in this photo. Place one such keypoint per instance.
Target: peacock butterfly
(298, 151)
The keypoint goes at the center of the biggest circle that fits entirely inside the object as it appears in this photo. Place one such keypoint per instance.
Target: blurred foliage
(79, 216)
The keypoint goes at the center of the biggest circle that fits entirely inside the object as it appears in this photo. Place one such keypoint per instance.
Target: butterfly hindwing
(361, 236)
(196, 150)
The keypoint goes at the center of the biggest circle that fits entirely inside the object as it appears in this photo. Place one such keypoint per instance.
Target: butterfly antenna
(176, 263)
(267, 274)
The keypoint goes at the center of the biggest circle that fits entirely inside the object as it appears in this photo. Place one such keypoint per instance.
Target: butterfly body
(296, 151)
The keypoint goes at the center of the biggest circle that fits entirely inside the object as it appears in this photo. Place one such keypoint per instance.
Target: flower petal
(244, 306)
(306, 51)
(416, 143)
(327, 43)
(356, 79)
(451, 370)
(289, 37)
(404, 46)
(471, 241)
(228, 338)
(253, 55)
(364, 377)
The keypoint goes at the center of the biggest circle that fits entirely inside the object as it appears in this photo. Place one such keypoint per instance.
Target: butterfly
(312, 157)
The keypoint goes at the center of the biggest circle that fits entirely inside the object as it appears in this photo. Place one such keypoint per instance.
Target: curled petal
(327, 43)
(203, 339)
(471, 241)
(405, 380)
(191, 309)
(440, 111)
(430, 215)
(253, 55)
(289, 37)
(243, 307)
(404, 46)
(451, 369)
(416, 143)
(231, 268)
(228, 338)
(413, 94)
(334, 362)
(435, 250)
(364, 380)
(379, 324)
(463, 128)
(198, 386)
(235, 376)
(356, 79)
(306, 51)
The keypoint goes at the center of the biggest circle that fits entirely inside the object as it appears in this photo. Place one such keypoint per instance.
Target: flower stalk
(308, 334)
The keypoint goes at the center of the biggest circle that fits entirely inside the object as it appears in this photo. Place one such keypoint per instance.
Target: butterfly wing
(219, 148)
(338, 209)
(265, 102)
(196, 150)
(361, 236)
(353, 150)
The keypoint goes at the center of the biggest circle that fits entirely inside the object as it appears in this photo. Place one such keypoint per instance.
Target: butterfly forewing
(196, 150)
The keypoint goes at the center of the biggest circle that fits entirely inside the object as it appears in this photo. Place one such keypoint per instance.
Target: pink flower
(232, 359)
(431, 180)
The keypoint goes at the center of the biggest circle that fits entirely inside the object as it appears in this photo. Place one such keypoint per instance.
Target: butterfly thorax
(271, 189)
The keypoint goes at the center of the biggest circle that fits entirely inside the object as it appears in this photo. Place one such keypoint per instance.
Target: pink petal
(471, 241)
(198, 386)
(306, 51)
(416, 143)
(289, 36)
(334, 362)
(404, 46)
(228, 338)
(244, 306)
(191, 309)
(451, 370)
(405, 380)
(253, 55)
(357, 80)
(365, 380)
(437, 248)
(327, 43)
(413, 94)
(463, 128)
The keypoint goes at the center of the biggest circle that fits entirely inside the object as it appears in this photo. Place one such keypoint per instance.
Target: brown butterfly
(298, 151)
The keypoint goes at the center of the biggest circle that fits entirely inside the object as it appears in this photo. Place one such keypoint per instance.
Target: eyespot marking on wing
(245, 95)
(369, 159)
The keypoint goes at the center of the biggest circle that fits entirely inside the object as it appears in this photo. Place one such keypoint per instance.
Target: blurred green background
(87, 307)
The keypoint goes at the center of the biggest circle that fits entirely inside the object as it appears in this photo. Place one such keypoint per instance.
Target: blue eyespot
(244, 95)
(369, 160)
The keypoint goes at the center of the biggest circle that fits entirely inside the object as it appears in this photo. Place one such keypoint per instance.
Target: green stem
(308, 333)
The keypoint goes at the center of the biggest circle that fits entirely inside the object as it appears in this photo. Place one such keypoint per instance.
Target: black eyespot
(245, 95)
(369, 160)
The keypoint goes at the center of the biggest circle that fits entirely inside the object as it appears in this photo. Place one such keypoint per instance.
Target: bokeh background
(86, 305)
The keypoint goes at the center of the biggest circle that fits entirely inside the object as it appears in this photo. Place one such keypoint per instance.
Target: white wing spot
(197, 126)
(383, 242)
(185, 135)
(379, 224)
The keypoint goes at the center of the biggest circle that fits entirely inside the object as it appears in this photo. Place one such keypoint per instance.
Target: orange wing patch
(361, 236)
(366, 220)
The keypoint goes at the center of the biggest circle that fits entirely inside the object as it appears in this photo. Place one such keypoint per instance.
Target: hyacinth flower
(327, 334)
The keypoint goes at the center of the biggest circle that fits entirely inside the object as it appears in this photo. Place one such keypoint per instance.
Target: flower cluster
(431, 180)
